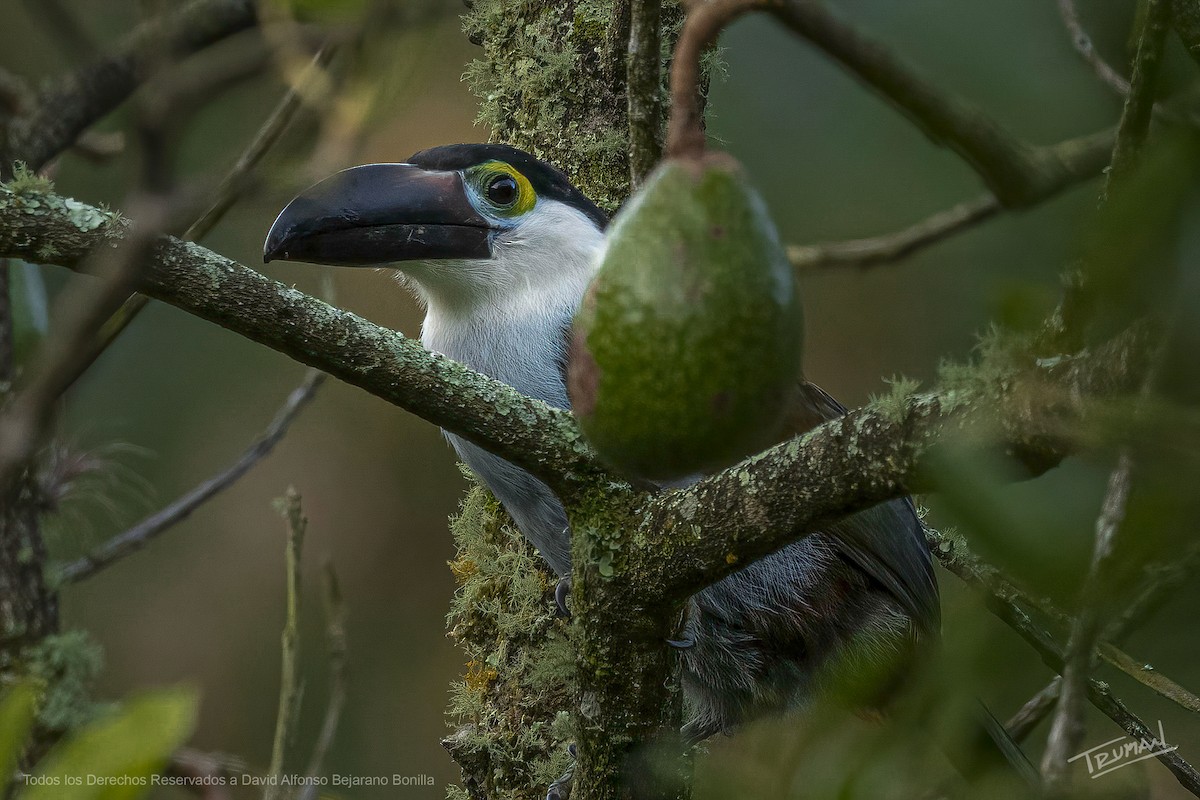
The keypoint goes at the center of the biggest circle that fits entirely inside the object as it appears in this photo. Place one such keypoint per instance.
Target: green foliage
(18, 706)
(117, 756)
(510, 705)
(326, 12)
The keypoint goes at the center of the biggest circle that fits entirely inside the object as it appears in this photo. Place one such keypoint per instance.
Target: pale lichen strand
(510, 710)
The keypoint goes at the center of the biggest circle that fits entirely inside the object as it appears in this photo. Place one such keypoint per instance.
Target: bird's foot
(561, 788)
(562, 591)
(681, 644)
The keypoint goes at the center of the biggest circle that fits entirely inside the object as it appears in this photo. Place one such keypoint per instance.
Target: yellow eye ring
(506, 189)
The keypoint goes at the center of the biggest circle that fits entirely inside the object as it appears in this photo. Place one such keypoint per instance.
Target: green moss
(65, 666)
(510, 708)
(999, 354)
(550, 81)
(26, 181)
(893, 404)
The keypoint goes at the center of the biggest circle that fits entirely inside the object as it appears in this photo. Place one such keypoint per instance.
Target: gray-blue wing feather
(887, 541)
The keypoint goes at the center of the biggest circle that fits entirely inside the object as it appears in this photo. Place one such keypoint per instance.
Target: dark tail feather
(991, 749)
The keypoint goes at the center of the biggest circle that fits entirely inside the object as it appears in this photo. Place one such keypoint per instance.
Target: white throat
(507, 316)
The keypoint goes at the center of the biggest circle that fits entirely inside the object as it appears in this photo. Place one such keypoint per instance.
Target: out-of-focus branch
(6, 326)
(644, 87)
(1139, 103)
(84, 309)
(954, 555)
(1186, 18)
(335, 637)
(1083, 45)
(892, 247)
(1161, 582)
(1022, 723)
(1066, 727)
(289, 682)
(145, 531)
(1017, 173)
(66, 107)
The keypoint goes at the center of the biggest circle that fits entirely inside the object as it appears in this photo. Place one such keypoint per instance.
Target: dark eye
(502, 190)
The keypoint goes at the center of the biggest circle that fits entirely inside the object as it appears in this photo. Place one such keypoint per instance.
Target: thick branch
(51, 229)
(691, 538)
(867, 457)
(68, 106)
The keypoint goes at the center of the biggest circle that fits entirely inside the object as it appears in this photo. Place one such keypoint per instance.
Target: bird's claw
(681, 644)
(562, 591)
(561, 788)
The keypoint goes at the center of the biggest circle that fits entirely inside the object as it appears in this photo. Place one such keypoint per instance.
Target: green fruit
(688, 341)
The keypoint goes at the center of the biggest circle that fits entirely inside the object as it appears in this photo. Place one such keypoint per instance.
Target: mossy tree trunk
(552, 80)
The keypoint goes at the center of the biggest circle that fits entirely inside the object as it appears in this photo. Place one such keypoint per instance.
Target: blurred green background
(178, 398)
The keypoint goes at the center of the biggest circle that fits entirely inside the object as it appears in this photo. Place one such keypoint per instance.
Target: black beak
(378, 214)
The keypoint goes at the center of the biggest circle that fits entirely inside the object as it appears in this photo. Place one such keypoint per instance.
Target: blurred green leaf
(127, 748)
(17, 709)
(327, 11)
(1038, 531)
(1130, 247)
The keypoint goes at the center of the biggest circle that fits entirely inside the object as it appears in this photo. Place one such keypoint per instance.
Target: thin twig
(957, 558)
(234, 185)
(892, 247)
(1161, 582)
(1083, 45)
(644, 88)
(335, 636)
(1022, 723)
(1066, 726)
(145, 531)
(1149, 677)
(701, 27)
(289, 682)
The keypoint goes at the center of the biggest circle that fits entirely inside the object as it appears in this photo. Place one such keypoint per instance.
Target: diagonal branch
(531, 434)
(1087, 50)
(871, 455)
(142, 533)
(958, 559)
(1017, 173)
(876, 250)
(66, 107)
